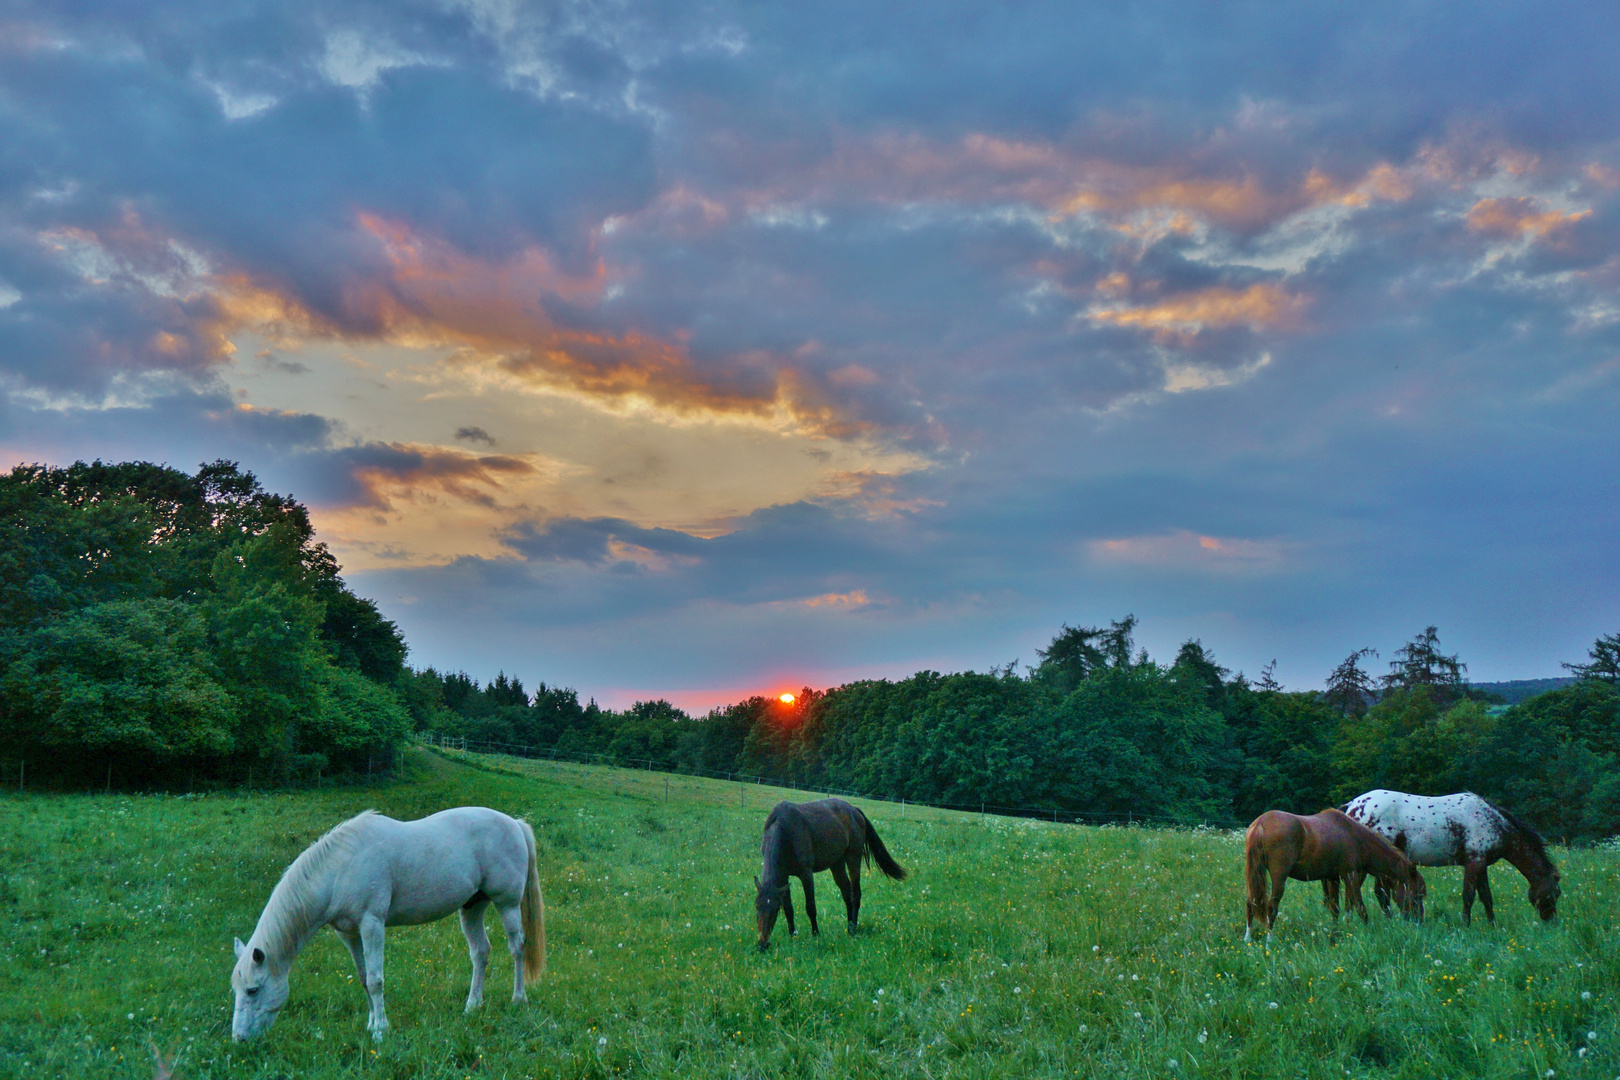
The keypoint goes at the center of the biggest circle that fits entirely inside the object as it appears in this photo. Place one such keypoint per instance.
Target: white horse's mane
(287, 916)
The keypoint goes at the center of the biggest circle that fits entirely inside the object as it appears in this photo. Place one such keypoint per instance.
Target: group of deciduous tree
(174, 626)
(1099, 727)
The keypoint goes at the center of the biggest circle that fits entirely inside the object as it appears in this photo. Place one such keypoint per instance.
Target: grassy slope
(1016, 949)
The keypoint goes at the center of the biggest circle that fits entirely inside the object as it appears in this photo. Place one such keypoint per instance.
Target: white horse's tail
(534, 915)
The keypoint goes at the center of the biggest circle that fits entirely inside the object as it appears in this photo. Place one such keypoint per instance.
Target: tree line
(1098, 727)
(186, 627)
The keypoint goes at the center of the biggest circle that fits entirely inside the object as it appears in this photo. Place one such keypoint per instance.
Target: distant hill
(1517, 690)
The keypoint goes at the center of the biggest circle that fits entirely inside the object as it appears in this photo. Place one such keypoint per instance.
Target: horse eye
(251, 991)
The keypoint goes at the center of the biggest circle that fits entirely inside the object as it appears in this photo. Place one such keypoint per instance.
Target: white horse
(1461, 830)
(371, 872)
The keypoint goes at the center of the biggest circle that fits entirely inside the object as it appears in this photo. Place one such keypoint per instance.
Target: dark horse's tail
(876, 850)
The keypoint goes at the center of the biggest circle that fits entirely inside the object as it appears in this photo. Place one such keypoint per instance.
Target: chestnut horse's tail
(533, 909)
(876, 850)
(1255, 872)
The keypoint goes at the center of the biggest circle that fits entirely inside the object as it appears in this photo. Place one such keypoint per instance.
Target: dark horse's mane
(1529, 833)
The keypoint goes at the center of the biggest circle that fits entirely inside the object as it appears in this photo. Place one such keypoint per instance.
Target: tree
(1350, 689)
(1605, 660)
(1073, 655)
(1080, 651)
(1420, 663)
(1197, 668)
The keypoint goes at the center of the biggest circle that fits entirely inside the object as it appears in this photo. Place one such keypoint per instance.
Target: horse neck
(1386, 860)
(774, 871)
(295, 911)
(1526, 856)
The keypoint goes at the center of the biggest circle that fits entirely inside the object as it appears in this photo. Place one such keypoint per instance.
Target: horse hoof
(764, 945)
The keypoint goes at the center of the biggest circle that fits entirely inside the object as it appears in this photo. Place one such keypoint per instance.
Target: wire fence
(1056, 814)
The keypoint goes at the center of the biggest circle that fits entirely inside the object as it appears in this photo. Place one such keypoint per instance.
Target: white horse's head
(260, 992)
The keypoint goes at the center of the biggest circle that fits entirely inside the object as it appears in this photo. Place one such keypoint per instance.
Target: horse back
(1307, 848)
(819, 833)
(1438, 830)
(427, 869)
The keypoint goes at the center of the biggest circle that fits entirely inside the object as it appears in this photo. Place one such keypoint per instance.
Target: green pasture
(1017, 949)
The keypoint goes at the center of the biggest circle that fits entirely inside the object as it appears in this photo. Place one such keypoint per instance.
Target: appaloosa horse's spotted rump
(1461, 830)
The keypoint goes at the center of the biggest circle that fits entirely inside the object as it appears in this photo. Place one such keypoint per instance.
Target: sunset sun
(786, 699)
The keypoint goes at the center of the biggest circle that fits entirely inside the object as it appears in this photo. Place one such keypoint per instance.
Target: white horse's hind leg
(512, 922)
(472, 925)
(371, 937)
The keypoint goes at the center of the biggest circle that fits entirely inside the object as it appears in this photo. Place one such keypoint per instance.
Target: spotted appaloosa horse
(1461, 830)
(1326, 847)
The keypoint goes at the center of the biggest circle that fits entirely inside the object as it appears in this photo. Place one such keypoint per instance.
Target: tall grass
(1017, 948)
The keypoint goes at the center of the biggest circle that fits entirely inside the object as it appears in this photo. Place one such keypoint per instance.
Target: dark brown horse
(802, 839)
(1328, 847)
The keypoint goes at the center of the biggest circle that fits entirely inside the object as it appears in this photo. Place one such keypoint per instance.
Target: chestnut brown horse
(804, 838)
(1328, 847)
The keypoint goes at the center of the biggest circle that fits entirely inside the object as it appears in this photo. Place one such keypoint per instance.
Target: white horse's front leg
(472, 926)
(358, 952)
(512, 923)
(371, 939)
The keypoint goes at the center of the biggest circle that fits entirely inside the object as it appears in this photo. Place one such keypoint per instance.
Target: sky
(696, 350)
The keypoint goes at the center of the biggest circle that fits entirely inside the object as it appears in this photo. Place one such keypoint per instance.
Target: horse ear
(239, 946)
(258, 956)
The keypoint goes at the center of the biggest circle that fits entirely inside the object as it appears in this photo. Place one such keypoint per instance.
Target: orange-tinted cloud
(1514, 218)
(1259, 306)
(499, 315)
(1062, 181)
(1185, 550)
(853, 599)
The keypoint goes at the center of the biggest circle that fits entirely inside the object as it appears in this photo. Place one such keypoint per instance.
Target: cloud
(1193, 553)
(1259, 306)
(829, 333)
(1519, 216)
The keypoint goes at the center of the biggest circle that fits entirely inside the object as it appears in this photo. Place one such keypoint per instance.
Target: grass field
(1015, 949)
